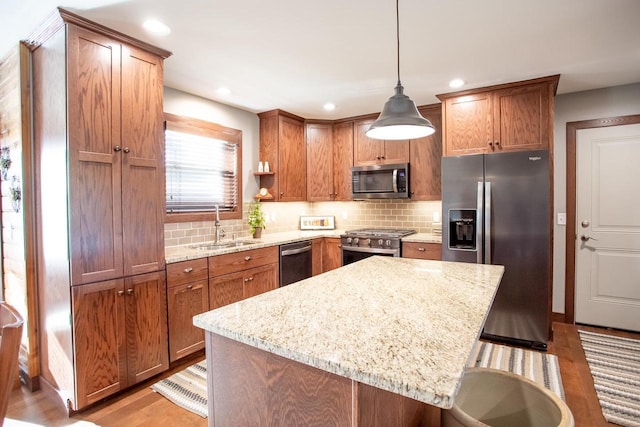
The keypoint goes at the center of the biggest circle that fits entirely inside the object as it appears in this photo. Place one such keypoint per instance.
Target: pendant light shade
(400, 118)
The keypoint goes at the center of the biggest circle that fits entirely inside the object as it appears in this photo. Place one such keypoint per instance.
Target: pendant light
(399, 118)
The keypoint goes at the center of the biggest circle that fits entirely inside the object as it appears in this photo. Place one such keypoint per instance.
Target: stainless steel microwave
(380, 181)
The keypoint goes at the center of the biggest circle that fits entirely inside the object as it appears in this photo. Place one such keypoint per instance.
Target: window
(203, 170)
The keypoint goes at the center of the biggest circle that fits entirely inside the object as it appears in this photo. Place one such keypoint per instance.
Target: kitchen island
(382, 341)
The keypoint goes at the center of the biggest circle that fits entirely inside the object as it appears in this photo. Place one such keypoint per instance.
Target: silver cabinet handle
(130, 291)
(188, 269)
(120, 293)
(126, 149)
(247, 258)
(421, 249)
(189, 287)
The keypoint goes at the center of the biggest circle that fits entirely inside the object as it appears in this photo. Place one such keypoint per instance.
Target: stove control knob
(380, 242)
(388, 242)
(368, 242)
(355, 241)
(349, 240)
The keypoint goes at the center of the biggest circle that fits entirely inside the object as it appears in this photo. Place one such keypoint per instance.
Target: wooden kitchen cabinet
(187, 296)
(319, 140)
(282, 144)
(331, 254)
(514, 116)
(342, 160)
(236, 276)
(316, 256)
(425, 159)
(369, 151)
(120, 330)
(422, 250)
(99, 220)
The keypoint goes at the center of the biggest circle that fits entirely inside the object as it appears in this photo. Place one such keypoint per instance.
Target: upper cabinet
(282, 144)
(369, 151)
(514, 116)
(342, 160)
(319, 139)
(425, 157)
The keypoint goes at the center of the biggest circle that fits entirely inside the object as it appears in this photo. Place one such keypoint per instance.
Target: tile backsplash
(424, 217)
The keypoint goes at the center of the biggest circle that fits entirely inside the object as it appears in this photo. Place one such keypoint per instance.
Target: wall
(593, 104)
(283, 216)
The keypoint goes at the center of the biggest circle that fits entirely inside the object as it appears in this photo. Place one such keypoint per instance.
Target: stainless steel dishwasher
(295, 262)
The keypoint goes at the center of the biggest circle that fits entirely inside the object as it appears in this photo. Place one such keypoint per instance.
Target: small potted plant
(256, 219)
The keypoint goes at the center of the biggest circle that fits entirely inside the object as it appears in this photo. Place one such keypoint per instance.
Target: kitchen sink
(222, 245)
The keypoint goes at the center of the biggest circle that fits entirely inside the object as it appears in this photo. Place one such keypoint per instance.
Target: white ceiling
(296, 55)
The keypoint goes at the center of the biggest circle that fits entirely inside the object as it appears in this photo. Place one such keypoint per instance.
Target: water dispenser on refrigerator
(462, 229)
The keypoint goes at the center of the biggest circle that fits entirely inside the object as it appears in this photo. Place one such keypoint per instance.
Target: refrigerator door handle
(479, 206)
(487, 222)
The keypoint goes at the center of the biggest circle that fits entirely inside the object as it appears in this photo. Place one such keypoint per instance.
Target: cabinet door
(342, 160)
(292, 173)
(146, 316)
(99, 339)
(366, 151)
(316, 256)
(143, 189)
(319, 162)
(468, 124)
(426, 158)
(184, 302)
(396, 151)
(521, 118)
(225, 289)
(259, 280)
(332, 254)
(94, 160)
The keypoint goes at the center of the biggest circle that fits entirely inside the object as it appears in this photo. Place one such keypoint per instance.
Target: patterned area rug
(187, 388)
(539, 367)
(615, 366)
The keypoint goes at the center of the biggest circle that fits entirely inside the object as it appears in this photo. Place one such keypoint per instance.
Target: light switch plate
(562, 218)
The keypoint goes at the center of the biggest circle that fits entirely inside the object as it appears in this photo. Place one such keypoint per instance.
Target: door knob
(585, 223)
(587, 238)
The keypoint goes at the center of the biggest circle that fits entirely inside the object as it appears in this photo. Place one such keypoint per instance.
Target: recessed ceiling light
(156, 27)
(223, 91)
(329, 106)
(456, 83)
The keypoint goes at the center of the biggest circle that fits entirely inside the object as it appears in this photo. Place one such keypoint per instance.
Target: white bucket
(495, 398)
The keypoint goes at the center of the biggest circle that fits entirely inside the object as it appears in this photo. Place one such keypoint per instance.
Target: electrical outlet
(562, 218)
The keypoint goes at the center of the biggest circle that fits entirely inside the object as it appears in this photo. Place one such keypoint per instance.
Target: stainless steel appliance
(360, 244)
(380, 181)
(496, 210)
(295, 262)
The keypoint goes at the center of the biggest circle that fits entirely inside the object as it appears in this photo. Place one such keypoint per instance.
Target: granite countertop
(195, 250)
(403, 325)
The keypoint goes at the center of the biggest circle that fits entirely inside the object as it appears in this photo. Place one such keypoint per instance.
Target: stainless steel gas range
(360, 244)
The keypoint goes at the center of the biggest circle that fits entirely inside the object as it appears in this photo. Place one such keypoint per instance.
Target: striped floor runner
(187, 388)
(615, 366)
(539, 367)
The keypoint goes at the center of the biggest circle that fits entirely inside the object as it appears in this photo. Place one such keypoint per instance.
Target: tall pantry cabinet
(99, 165)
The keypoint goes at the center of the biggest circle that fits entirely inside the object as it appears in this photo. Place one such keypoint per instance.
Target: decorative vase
(257, 233)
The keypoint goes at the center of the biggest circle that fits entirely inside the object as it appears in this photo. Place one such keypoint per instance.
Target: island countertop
(402, 325)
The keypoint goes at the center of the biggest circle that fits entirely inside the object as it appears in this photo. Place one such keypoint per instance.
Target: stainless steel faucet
(219, 232)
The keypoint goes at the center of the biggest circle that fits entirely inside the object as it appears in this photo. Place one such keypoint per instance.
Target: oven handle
(296, 251)
(369, 250)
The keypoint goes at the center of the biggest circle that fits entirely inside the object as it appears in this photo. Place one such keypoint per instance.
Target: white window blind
(201, 172)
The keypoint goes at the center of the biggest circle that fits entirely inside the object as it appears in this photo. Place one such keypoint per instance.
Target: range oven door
(353, 254)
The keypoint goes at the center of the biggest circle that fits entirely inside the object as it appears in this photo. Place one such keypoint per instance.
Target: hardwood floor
(142, 407)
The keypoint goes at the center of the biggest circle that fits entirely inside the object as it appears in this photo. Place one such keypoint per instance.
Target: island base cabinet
(270, 390)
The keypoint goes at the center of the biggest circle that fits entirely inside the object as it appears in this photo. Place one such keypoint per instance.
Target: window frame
(211, 130)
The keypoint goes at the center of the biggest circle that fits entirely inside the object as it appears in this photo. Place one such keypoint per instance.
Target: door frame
(571, 236)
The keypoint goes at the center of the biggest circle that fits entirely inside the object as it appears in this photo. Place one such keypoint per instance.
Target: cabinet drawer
(186, 271)
(230, 263)
(422, 250)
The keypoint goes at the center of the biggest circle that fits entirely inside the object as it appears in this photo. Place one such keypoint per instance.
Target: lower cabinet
(234, 277)
(120, 334)
(431, 251)
(331, 254)
(187, 296)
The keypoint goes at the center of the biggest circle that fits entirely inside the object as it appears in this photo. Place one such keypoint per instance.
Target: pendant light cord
(398, 37)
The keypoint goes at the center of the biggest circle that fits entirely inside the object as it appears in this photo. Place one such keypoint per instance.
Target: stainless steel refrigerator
(496, 210)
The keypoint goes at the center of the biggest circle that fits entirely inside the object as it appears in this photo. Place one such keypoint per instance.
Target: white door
(608, 226)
